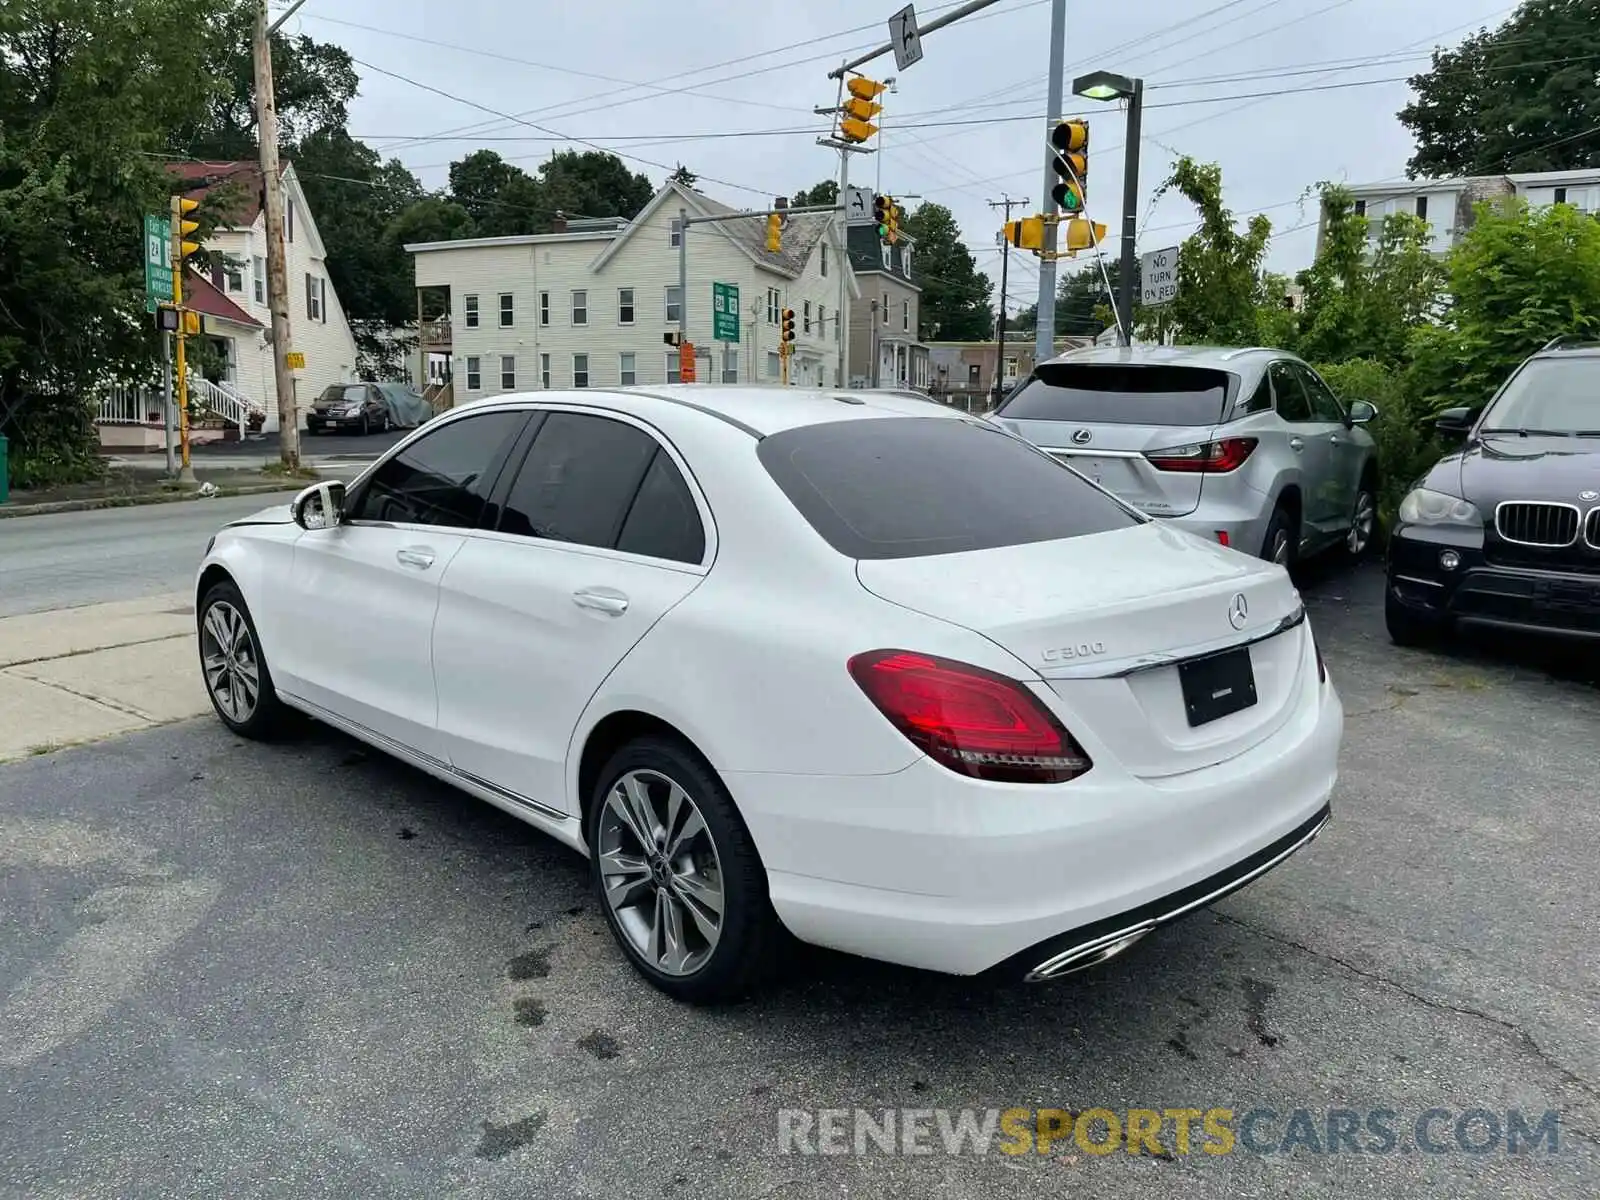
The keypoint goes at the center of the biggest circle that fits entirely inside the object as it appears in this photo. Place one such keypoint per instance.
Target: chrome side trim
(1075, 452)
(1108, 946)
(1154, 662)
(1576, 512)
(1416, 579)
(402, 751)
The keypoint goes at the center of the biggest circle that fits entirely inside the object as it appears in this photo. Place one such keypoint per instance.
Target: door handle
(1296, 444)
(601, 600)
(415, 556)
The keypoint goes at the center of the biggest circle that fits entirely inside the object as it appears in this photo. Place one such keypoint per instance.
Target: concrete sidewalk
(79, 674)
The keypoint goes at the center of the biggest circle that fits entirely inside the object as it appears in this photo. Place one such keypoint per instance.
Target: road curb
(173, 497)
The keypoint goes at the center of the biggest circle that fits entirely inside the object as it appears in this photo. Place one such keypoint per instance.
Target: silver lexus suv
(1246, 447)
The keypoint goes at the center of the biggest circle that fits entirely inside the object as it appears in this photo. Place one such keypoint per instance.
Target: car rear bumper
(1475, 592)
(932, 870)
(1241, 524)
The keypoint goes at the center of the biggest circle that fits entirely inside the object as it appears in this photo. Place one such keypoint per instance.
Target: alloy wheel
(1361, 523)
(232, 667)
(660, 872)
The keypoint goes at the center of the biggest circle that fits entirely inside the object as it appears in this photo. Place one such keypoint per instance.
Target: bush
(53, 441)
(1407, 445)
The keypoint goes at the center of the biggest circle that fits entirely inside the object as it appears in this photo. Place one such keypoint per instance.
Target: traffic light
(1078, 235)
(880, 215)
(774, 232)
(855, 123)
(1070, 140)
(1026, 234)
(787, 333)
(892, 225)
(182, 227)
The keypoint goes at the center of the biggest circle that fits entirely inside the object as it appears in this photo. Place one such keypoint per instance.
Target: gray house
(885, 350)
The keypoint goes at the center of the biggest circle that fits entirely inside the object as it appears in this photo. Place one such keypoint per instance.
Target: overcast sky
(577, 75)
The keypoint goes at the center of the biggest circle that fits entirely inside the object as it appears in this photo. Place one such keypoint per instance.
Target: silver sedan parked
(1247, 447)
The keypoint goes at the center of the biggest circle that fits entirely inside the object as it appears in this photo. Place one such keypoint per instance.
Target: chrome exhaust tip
(1089, 954)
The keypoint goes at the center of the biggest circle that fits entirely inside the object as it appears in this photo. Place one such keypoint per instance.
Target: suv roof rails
(1249, 350)
(1567, 342)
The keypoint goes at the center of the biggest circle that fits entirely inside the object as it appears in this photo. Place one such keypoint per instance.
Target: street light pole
(1045, 326)
(1130, 210)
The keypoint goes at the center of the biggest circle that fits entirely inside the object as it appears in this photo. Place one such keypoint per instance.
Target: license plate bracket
(1217, 685)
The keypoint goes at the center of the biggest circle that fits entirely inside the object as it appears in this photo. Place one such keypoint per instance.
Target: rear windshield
(910, 487)
(1120, 394)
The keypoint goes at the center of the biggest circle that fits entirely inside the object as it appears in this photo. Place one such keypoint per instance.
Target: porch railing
(130, 404)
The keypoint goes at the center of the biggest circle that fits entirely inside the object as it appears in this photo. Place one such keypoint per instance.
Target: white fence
(133, 404)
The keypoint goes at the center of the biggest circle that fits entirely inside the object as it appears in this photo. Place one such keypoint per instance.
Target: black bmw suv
(1505, 532)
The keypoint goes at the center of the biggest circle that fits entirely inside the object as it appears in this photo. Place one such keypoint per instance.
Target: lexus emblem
(1082, 437)
(1238, 611)
(1589, 494)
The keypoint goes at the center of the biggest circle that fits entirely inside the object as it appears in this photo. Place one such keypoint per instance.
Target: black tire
(366, 425)
(1407, 628)
(746, 947)
(1282, 526)
(1356, 548)
(268, 718)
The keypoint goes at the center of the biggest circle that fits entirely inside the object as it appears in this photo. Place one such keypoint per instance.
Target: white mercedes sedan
(846, 666)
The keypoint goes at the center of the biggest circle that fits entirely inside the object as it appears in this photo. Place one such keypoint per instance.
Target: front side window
(627, 373)
(674, 305)
(580, 308)
(580, 370)
(508, 310)
(470, 309)
(1288, 392)
(1115, 394)
(624, 306)
(443, 477)
(578, 480)
(474, 373)
(881, 489)
(1325, 405)
(508, 372)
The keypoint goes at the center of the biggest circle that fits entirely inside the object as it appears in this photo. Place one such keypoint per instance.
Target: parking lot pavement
(306, 970)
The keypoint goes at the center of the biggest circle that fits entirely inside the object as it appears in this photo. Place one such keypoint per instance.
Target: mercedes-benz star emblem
(1588, 494)
(1238, 611)
(1082, 437)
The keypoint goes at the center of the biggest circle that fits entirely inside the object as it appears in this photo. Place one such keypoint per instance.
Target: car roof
(760, 410)
(1227, 358)
(1564, 349)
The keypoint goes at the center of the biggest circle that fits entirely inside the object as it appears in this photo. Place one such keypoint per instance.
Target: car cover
(407, 408)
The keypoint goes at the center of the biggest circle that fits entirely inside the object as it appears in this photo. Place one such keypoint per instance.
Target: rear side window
(909, 487)
(1121, 394)
(578, 480)
(664, 522)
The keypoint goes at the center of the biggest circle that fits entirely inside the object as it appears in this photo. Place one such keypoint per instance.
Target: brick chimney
(559, 223)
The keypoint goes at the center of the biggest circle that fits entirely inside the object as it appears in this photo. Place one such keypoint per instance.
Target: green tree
(431, 219)
(479, 183)
(826, 192)
(684, 177)
(591, 183)
(88, 89)
(1082, 301)
(1220, 282)
(1522, 97)
(955, 294)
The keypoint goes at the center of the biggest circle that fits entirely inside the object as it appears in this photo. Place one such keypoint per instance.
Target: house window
(888, 255)
(234, 274)
(805, 317)
(823, 260)
(508, 310)
(822, 321)
(772, 365)
(674, 305)
(544, 308)
(730, 364)
(580, 370)
(474, 373)
(544, 371)
(1361, 208)
(1561, 195)
(258, 273)
(1011, 367)
(905, 315)
(673, 374)
(314, 307)
(885, 309)
(471, 310)
(580, 308)
(774, 306)
(905, 260)
(675, 233)
(1422, 207)
(508, 372)
(288, 220)
(626, 373)
(624, 306)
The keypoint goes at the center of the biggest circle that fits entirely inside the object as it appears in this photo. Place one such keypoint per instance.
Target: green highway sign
(157, 261)
(725, 312)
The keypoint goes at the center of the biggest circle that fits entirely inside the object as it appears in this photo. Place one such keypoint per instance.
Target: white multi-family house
(227, 284)
(589, 304)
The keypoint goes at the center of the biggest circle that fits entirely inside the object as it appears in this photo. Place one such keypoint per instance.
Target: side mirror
(320, 506)
(1362, 412)
(1454, 422)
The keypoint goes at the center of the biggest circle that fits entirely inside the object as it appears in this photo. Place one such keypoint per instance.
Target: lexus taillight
(971, 720)
(1212, 458)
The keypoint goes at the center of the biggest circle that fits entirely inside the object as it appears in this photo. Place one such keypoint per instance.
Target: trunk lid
(1104, 418)
(1105, 621)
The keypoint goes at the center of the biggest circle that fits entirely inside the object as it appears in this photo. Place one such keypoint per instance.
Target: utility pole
(1007, 203)
(1130, 211)
(1045, 338)
(277, 267)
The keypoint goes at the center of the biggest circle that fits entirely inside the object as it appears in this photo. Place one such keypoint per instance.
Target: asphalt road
(323, 444)
(61, 560)
(306, 970)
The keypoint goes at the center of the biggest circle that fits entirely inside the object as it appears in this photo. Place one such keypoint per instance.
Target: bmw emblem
(1081, 437)
(1588, 494)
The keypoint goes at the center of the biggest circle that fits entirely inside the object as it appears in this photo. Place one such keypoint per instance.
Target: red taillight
(975, 722)
(1212, 458)
(1222, 538)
